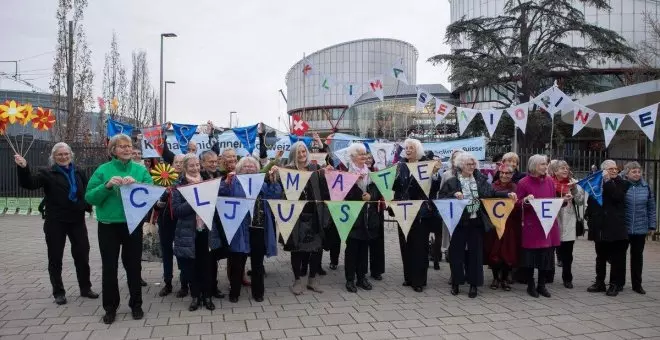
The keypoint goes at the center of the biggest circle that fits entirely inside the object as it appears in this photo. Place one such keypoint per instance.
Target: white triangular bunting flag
(464, 117)
(294, 182)
(451, 211)
(519, 115)
(352, 91)
(405, 213)
(232, 212)
(423, 98)
(137, 199)
(582, 115)
(646, 118)
(422, 172)
(376, 86)
(442, 109)
(546, 210)
(492, 118)
(326, 83)
(202, 197)
(611, 123)
(399, 71)
(252, 184)
(286, 214)
(552, 100)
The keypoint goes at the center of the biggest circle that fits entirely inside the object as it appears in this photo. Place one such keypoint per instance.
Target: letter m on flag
(377, 85)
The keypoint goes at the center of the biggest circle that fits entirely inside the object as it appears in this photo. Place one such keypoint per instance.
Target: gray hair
(112, 144)
(51, 158)
(511, 156)
(294, 150)
(179, 156)
(355, 148)
(464, 157)
(246, 159)
(555, 165)
(606, 163)
(203, 155)
(534, 162)
(228, 149)
(186, 160)
(417, 145)
(632, 165)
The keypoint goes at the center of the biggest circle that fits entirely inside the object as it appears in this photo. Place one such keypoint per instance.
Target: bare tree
(114, 79)
(72, 126)
(141, 95)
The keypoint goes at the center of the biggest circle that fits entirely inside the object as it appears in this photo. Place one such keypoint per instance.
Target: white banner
(383, 154)
(519, 113)
(423, 98)
(252, 184)
(546, 210)
(476, 146)
(137, 199)
(442, 109)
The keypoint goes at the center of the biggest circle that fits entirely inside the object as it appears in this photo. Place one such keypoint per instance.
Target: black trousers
(302, 259)
(356, 259)
(196, 271)
(56, 234)
(637, 243)
(377, 256)
(112, 238)
(565, 252)
(216, 255)
(236, 263)
(615, 253)
(542, 278)
(467, 267)
(436, 246)
(332, 242)
(415, 253)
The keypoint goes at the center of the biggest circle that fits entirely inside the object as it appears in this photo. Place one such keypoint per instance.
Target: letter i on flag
(137, 199)
(384, 180)
(546, 210)
(251, 184)
(232, 212)
(294, 182)
(492, 118)
(344, 214)
(202, 198)
(451, 211)
(498, 210)
(340, 183)
(286, 215)
(405, 213)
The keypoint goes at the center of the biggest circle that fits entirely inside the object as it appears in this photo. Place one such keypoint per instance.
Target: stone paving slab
(390, 311)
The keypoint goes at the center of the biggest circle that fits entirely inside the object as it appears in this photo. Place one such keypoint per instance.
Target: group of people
(624, 218)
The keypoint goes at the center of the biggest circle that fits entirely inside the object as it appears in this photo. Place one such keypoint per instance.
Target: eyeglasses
(124, 147)
(612, 169)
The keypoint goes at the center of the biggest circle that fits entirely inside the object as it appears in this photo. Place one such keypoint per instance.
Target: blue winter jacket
(241, 241)
(640, 209)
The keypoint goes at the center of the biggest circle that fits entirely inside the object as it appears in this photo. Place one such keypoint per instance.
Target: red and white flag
(299, 126)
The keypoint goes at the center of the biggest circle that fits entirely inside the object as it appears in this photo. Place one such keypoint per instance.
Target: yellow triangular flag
(498, 210)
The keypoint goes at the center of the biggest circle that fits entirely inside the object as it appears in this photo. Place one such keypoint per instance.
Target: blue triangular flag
(232, 211)
(593, 185)
(306, 140)
(246, 135)
(137, 199)
(114, 128)
(183, 134)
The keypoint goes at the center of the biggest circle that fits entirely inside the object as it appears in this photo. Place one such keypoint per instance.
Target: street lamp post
(160, 83)
(165, 99)
(231, 114)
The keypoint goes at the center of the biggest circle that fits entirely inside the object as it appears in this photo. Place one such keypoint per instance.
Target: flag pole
(303, 81)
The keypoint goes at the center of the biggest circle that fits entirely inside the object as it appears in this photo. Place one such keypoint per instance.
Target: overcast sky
(229, 55)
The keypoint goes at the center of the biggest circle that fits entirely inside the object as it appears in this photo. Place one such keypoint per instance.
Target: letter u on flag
(405, 213)
(114, 128)
(422, 172)
(546, 210)
(498, 210)
(137, 199)
(384, 180)
(252, 185)
(294, 182)
(344, 214)
(202, 197)
(286, 215)
(184, 134)
(593, 186)
(451, 211)
(232, 212)
(340, 183)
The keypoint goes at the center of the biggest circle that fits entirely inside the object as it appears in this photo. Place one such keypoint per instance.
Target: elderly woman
(607, 228)
(537, 249)
(567, 217)
(511, 159)
(366, 226)
(193, 239)
(103, 192)
(306, 239)
(255, 235)
(414, 248)
(502, 253)
(640, 219)
(469, 184)
(64, 189)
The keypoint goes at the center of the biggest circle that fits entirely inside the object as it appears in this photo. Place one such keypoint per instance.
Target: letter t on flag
(405, 213)
(137, 199)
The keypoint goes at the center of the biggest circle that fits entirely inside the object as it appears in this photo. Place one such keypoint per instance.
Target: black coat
(56, 193)
(607, 222)
(368, 223)
(405, 188)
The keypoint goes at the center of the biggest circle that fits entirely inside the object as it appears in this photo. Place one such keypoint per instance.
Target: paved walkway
(389, 311)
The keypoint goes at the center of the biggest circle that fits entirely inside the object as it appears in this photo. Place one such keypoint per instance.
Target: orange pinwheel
(3, 125)
(12, 111)
(28, 114)
(43, 120)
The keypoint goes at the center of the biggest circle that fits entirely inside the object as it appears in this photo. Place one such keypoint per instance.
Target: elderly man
(209, 163)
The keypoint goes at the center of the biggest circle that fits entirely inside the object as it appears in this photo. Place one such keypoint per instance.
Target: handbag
(151, 240)
(579, 221)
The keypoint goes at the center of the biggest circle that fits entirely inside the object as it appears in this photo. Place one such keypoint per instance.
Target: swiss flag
(299, 126)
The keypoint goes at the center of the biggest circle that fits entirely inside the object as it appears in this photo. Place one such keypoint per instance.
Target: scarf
(508, 187)
(561, 186)
(193, 180)
(70, 174)
(364, 181)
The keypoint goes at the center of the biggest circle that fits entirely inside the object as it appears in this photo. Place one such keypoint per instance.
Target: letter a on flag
(451, 211)
(252, 184)
(422, 172)
(137, 199)
(294, 182)
(398, 71)
(286, 215)
(546, 210)
(384, 180)
(202, 198)
(405, 213)
(464, 117)
(340, 183)
(498, 210)
(232, 211)
(344, 214)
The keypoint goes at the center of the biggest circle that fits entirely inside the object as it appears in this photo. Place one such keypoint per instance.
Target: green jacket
(109, 208)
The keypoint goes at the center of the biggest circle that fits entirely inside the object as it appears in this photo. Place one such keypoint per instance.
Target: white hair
(534, 162)
(51, 158)
(607, 163)
(246, 159)
(356, 148)
(464, 157)
(417, 145)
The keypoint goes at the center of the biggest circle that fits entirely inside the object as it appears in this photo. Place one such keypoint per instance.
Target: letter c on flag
(135, 204)
(495, 209)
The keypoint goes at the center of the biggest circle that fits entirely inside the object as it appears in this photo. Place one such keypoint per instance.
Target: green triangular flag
(384, 181)
(344, 214)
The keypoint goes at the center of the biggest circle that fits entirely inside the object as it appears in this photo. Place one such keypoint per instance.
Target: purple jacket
(533, 236)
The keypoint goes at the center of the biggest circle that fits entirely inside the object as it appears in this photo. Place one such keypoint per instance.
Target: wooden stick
(29, 146)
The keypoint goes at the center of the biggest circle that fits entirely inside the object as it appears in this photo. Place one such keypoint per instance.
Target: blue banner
(593, 185)
(183, 134)
(246, 135)
(476, 146)
(306, 140)
(114, 128)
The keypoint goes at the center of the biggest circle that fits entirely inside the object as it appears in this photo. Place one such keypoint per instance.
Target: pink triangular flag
(340, 183)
